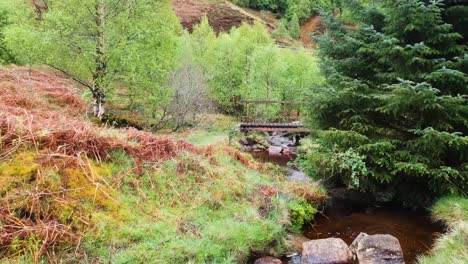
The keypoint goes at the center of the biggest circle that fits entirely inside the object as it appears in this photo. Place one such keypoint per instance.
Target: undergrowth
(73, 192)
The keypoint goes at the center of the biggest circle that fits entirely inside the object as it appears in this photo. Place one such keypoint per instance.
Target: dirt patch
(221, 16)
(310, 28)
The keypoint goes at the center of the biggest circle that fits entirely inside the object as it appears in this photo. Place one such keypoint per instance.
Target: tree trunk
(100, 71)
(99, 100)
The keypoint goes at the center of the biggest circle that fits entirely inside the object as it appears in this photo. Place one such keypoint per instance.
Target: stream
(349, 213)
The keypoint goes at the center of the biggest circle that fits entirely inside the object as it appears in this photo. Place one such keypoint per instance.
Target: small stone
(268, 260)
(294, 259)
(275, 151)
(244, 142)
(326, 251)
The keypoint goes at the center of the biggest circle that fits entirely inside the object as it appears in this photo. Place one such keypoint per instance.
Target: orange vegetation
(50, 161)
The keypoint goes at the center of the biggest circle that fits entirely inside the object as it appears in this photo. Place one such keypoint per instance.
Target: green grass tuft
(452, 247)
(451, 210)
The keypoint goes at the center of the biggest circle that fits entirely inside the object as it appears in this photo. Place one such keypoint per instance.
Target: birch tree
(98, 43)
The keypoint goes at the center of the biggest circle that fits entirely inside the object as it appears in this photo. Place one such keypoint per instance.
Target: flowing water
(345, 218)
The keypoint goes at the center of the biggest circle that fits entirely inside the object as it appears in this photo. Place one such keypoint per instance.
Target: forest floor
(74, 190)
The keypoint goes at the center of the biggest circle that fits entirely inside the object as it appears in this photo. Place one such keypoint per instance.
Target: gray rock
(355, 243)
(268, 260)
(296, 175)
(281, 141)
(326, 251)
(294, 259)
(379, 249)
(275, 151)
(244, 141)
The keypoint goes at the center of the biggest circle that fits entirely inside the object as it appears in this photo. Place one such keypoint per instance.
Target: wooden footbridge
(287, 121)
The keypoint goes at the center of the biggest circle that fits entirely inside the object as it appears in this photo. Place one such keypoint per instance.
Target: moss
(21, 169)
(88, 186)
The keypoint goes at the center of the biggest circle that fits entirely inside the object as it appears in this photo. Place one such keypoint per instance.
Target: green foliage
(395, 95)
(294, 27)
(245, 64)
(301, 212)
(325, 163)
(5, 54)
(101, 43)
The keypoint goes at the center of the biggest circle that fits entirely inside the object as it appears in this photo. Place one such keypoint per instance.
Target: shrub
(301, 212)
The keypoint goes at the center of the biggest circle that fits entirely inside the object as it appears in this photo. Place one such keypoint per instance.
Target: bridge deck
(273, 127)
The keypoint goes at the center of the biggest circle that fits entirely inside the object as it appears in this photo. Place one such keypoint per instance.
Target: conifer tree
(396, 97)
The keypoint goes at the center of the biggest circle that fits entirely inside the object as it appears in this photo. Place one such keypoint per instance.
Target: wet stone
(268, 260)
(378, 249)
(326, 251)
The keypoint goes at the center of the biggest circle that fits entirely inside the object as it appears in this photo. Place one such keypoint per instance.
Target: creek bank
(347, 216)
(351, 213)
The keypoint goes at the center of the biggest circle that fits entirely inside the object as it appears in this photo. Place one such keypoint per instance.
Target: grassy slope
(452, 247)
(72, 191)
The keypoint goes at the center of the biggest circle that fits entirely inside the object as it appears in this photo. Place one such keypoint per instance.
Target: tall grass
(452, 247)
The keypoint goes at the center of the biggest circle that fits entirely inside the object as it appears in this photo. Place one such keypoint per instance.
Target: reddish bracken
(41, 108)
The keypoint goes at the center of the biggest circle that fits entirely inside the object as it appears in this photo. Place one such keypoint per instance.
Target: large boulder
(377, 249)
(326, 251)
(268, 260)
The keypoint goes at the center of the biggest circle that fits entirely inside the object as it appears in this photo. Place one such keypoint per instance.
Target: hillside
(223, 15)
(73, 190)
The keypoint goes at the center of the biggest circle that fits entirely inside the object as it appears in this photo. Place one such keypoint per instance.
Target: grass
(207, 137)
(452, 247)
(185, 214)
(74, 192)
(219, 207)
(451, 210)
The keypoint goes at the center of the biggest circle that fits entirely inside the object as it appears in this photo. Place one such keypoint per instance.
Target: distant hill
(223, 15)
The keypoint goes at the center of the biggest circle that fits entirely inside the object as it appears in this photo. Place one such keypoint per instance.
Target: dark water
(345, 218)
(415, 230)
